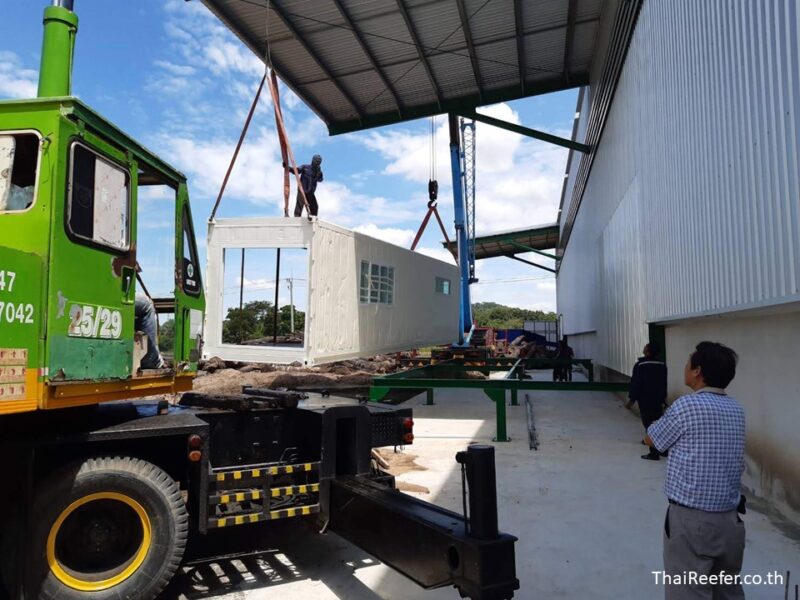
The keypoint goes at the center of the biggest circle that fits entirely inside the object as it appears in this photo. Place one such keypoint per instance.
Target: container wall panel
(705, 125)
(342, 326)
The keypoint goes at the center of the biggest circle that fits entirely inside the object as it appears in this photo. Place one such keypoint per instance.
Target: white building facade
(685, 221)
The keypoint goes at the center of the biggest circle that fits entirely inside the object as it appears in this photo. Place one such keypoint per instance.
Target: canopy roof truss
(364, 63)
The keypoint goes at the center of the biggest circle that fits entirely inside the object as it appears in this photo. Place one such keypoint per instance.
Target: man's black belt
(741, 509)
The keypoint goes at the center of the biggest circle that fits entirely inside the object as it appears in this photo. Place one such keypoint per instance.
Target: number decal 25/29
(94, 322)
(16, 313)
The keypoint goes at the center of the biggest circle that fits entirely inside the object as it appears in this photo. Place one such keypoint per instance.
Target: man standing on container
(310, 175)
(649, 389)
(704, 432)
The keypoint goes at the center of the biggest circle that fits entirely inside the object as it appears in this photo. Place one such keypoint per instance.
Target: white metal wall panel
(706, 120)
(333, 292)
(622, 331)
(343, 327)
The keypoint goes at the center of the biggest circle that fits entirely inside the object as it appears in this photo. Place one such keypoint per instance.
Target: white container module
(364, 296)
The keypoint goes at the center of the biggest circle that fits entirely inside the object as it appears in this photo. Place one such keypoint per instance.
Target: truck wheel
(106, 528)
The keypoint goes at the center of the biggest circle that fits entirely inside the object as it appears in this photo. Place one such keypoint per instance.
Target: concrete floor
(587, 510)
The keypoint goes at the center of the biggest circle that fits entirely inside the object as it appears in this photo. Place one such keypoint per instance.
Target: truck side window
(98, 199)
(190, 268)
(19, 157)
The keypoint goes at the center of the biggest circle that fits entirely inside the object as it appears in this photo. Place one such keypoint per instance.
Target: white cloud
(257, 284)
(398, 237)
(547, 286)
(438, 253)
(15, 80)
(518, 181)
(257, 176)
(173, 69)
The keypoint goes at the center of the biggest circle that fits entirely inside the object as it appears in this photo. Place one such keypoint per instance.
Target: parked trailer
(100, 493)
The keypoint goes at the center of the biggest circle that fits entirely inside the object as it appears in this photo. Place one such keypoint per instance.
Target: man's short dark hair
(655, 348)
(717, 363)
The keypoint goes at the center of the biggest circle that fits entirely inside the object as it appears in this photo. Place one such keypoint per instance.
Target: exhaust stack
(58, 47)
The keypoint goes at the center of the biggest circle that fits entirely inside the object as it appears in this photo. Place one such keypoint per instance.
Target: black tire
(115, 524)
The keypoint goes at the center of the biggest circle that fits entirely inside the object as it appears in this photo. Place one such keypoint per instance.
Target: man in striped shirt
(704, 432)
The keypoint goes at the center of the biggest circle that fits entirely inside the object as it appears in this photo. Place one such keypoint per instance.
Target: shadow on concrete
(263, 556)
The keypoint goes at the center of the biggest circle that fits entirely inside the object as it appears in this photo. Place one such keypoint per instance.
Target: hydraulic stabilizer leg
(432, 546)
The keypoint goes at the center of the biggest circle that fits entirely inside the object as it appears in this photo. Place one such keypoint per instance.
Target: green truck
(102, 490)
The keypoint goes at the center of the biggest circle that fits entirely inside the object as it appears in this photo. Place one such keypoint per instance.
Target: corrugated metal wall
(705, 126)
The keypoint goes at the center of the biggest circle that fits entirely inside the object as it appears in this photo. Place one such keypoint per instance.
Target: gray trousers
(706, 543)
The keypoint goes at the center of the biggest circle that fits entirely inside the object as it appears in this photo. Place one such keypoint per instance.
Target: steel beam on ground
(424, 380)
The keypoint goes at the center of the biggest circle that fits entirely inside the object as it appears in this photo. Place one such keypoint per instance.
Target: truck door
(92, 266)
(189, 297)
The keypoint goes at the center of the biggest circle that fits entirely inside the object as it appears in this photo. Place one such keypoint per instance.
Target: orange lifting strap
(286, 149)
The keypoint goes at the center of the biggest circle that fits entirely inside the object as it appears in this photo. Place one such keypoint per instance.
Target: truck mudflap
(430, 545)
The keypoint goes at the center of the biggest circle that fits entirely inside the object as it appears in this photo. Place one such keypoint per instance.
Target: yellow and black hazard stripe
(260, 473)
(243, 496)
(284, 513)
(293, 490)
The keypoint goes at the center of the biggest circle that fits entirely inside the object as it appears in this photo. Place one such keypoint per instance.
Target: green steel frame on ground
(450, 375)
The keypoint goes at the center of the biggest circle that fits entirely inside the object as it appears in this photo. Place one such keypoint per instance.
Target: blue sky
(168, 73)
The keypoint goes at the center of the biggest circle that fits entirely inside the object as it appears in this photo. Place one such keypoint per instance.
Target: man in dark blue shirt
(310, 175)
(649, 389)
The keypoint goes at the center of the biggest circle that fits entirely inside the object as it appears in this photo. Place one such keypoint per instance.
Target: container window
(363, 295)
(19, 159)
(442, 286)
(98, 200)
(376, 284)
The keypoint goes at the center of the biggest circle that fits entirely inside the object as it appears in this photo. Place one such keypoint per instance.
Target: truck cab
(69, 194)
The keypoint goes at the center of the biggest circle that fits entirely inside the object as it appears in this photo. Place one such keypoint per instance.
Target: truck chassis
(223, 461)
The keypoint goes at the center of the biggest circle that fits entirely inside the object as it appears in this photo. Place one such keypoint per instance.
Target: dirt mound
(220, 377)
(360, 379)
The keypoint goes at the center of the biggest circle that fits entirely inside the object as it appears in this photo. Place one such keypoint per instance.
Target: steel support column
(465, 313)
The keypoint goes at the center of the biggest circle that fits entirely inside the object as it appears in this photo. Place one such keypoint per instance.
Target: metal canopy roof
(364, 63)
(511, 243)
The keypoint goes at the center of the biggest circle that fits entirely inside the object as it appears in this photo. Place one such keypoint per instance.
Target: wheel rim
(98, 541)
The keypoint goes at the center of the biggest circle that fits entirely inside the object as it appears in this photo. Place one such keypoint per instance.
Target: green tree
(166, 336)
(244, 323)
(256, 319)
(286, 320)
(491, 314)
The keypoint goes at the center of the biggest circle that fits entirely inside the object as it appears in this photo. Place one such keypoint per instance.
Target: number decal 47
(91, 321)
(7, 281)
